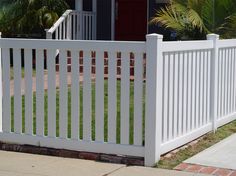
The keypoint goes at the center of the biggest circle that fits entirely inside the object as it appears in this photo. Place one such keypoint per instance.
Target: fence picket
(112, 101)
(64, 30)
(227, 81)
(201, 89)
(165, 101)
(63, 120)
(87, 104)
(180, 110)
(231, 81)
(221, 81)
(28, 93)
(234, 86)
(185, 91)
(6, 90)
(75, 95)
(17, 91)
(189, 97)
(224, 82)
(74, 22)
(51, 92)
(99, 107)
(171, 96)
(205, 88)
(39, 92)
(198, 90)
(208, 86)
(125, 99)
(194, 74)
(138, 99)
(176, 93)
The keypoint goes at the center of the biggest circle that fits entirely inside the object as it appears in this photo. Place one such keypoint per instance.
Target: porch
(74, 25)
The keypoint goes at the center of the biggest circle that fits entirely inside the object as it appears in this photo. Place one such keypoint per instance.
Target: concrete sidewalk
(20, 164)
(220, 155)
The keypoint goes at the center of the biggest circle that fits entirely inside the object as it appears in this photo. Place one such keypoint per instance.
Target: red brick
(194, 168)
(93, 61)
(132, 71)
(118, 62)
(93, 71)
(182, 166)
(118, 70)
(88, 156)
(69, 61)
(133, 161)
(105, 70)
(208, 170)
(233, 173)
(68, 153)
(68, 68)
(222, 172)
(111, 158)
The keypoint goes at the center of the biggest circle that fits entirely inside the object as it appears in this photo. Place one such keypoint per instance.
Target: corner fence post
(154, 89)
(1, 111)
(214, 80)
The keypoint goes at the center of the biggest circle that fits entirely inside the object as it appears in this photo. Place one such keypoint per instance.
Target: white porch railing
(188, 89)
(74, 25)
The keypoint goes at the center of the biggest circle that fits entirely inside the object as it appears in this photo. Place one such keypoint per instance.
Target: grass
(204, 143)
(131, 110)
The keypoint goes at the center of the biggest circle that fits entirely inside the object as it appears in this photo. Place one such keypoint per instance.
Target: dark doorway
(131, 20)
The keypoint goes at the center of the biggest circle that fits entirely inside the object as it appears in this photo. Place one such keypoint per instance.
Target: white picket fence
(180, 91)
(74, 25)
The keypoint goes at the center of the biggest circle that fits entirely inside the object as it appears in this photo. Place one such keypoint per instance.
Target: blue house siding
(87, 5)
(104, 19)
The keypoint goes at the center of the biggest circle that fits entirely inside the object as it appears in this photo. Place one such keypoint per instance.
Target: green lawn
(81, 112)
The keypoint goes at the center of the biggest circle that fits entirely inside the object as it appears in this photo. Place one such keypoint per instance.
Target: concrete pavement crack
(109, 173)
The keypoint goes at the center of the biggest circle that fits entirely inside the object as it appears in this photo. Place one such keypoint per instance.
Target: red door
(131, 20)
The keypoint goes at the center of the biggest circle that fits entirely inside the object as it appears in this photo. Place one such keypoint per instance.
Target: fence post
(213, 81)
(48, 34)
(0, 85)
(154, 82)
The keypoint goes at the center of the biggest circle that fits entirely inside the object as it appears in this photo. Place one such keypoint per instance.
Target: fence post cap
(154, 36)
(213, 37)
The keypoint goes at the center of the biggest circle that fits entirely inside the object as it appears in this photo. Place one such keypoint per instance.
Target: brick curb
(205, 170)
(128, 160)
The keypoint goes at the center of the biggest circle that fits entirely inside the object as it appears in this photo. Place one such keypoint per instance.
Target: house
(113, 19)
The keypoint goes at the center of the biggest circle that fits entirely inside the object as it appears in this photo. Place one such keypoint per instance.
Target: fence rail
(178, 92)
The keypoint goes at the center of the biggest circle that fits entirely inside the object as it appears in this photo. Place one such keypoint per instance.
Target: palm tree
(30, 16)
(193, 19)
